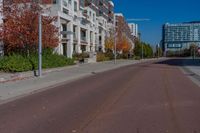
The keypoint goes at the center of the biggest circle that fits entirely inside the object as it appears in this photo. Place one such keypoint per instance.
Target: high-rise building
(180, 36)
(134, 29)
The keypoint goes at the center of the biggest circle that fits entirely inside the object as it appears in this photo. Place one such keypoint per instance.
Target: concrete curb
(11, 77)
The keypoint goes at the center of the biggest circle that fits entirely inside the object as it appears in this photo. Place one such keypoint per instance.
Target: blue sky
(160, 12)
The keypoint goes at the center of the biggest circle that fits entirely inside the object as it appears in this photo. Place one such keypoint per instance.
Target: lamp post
(158, 50)
(115, 47)
(142, 51)
(43, 7)
(40, 46)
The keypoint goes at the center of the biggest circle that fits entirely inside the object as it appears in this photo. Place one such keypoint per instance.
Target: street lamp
(142, 51)
(40, 37)
(115, 48)
(40, 46)
(158, 50)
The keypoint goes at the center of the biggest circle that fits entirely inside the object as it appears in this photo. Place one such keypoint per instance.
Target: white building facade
(134, 29)
(82, 25)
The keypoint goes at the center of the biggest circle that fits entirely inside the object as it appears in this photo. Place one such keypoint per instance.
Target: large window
(64, 28)
(75, 6)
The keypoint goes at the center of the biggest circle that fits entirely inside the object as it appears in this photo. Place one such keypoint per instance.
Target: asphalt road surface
(144, 98)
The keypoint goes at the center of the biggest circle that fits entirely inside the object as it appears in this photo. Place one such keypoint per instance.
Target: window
(75, 6)
(64, 28)
(70, 2)
(94, 17)
(65, 3)
(65, 11)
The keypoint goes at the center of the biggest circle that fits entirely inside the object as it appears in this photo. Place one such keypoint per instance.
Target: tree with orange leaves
(126, 46)
(109, 43)
(123, 44)
(20, 28)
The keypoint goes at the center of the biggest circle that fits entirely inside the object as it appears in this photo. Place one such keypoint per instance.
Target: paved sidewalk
(53, 77)
(192, 69)
(192, 65)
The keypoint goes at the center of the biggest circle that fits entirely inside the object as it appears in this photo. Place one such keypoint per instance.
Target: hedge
(19, 63)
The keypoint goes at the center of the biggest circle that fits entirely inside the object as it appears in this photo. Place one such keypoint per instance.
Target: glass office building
(180, 36)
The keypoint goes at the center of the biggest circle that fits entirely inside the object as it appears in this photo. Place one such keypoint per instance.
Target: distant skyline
(159, 12)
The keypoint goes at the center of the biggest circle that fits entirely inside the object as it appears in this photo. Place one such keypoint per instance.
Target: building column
(93, 39)
(88, 40)
(103, 40)
(70, 40)
(79, 39)
(97, 41)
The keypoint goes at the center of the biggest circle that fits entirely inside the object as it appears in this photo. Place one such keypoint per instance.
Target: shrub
(18, 63)
(70, 61)
(15, 63)
(78, 56)
(51, 61)
(102, 57)
(109, 55)
(137, 58)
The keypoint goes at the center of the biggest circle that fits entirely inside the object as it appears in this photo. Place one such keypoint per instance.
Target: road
(152, 97)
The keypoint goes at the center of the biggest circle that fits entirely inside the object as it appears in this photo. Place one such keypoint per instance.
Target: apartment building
(83, 24)
(180, 36)
(126, 29)
(134, 29)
